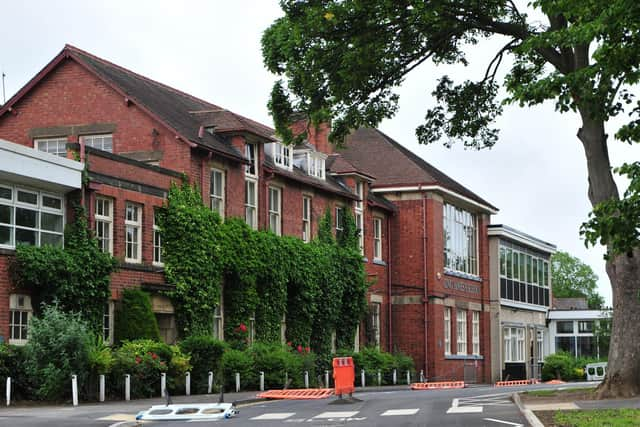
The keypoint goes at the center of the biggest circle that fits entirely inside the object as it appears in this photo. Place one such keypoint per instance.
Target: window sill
(141, 267)
(462, 275)
(7, 250)
(365, 259)
(463, 357)
(379, 262)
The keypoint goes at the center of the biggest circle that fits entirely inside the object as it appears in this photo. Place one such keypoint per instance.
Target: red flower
(289, 343)
(299, 349)
(138, 360)
(154, 356)
(308, 349)
(243, 327)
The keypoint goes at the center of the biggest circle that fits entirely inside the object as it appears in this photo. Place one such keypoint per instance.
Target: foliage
(564, 366)
(76, 278)
(190, 251)
(602, 333)
(598, 418)
(571, 278)
(12, 365)
(135, 318)
(241, 362)
(145, 360)
(373, 360)
(100, 356)
(205, 356)
(58, 347)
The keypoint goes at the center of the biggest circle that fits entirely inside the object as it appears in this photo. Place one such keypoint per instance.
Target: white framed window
(377, 239)
(55, 146)
(282, 155)
(359, 215)
(306, 218)
(475, 332)
(251, 203)
(217, 191)
(30, 217)
(100, 142)
(251, 153)
(339, 220)
(20, 312)
(461, 324)
(133, 232)
(375, 323)
(104, 224)
(107, 323)
(157, 242)
(513, 342)
(218, 322)
(315, 165)
(540, 344)
(275, 209)
(447, 330)
(460, 240)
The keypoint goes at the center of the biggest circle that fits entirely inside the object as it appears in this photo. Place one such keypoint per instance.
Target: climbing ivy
(75, 277)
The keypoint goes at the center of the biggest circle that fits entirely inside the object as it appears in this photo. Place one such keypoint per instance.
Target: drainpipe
(390, 314)
(424, 268)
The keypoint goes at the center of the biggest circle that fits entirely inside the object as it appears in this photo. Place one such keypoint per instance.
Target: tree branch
(497, 59)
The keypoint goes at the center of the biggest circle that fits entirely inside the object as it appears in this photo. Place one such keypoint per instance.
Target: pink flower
(307, 349)
(289, 343)
(243, 327)
(299, 349)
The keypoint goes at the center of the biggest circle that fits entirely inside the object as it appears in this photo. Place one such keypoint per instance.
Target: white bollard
(127, 387)
(261, 380)
(237, 382)
(395, 377)
(306, 379)
(74, 389)
(408, 377)
(363, 380)
(163, 384)
(187, 384)
(210, 383)
(326, 379)
(8, 391)
(102, 388)
(379, 378)
(421, 376)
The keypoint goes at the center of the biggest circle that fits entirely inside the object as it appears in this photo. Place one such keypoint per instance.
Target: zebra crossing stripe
(392, 412)
(344, 414)
(274, 416)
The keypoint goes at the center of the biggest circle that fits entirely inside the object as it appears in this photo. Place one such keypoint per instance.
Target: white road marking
(344, 414)
(274, 416)
(464, 410)
(392, 412)
(503, 422)
(118, 417)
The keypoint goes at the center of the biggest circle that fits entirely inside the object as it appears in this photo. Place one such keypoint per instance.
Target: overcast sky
(536, 174)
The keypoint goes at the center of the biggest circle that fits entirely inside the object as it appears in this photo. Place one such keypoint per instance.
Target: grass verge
(597, 418)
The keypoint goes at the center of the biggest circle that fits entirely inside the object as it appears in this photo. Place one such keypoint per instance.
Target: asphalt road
(468, 407)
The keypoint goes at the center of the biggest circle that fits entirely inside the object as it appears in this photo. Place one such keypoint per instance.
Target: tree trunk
(623, 369)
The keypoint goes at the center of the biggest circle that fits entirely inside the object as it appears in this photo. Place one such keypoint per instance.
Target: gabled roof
(394, 165)
(168, 105)
(338, 165)
(225, 121)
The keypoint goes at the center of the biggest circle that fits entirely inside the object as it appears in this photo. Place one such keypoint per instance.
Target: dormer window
(315, 165)
(282, 155)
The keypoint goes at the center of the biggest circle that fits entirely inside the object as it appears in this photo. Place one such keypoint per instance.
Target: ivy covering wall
(318, 287)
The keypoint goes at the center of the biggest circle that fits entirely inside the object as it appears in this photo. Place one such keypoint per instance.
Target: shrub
(12, 365)
(274, 361)
(558, 366)
(238, 361)
(58, 347)
(135, 318)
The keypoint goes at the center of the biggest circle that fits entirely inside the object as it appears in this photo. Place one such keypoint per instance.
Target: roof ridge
(126, 70)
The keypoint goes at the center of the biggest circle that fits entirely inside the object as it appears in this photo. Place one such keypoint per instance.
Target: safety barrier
(516, 383)
(596, 371)
(555, 382)
(437, 385)
(297, 394)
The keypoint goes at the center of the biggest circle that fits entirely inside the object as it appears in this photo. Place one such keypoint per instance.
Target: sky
(536, 174)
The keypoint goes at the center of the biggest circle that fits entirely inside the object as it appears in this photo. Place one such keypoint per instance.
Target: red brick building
(424, 237)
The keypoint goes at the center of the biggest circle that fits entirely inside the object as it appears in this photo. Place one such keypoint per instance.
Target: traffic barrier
(554, 382)
(516, 383)
(344, 375)
(437, 385)
(297, 394)
(596, 371)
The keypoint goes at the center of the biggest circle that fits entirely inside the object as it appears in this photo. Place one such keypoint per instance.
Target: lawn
(598, 418)
(556, 392)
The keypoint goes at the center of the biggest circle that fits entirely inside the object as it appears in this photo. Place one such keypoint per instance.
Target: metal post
(127, 387)
(379, 378)
(421, 376)
(8, 391)
(74, 389)
(210, 383)
(306, 379)
(326, 379)
(395, 377)
(408, 377)
(363, 381)
(163, 384)
(187, 384)
(237, 382)
(102, 388)
(261, 380)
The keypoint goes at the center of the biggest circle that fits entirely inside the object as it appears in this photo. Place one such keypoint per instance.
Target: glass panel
(509, 263)
(50, 239)
(565, 327)
(585, 326)
(529, 269)
(5, 193)
(26, 237)
(516, 266)
(25, 197)
(51, 202)
(5, 235)
(5, 214)
(26, 217)
(566, 344)
(51, 222)
(503, 260)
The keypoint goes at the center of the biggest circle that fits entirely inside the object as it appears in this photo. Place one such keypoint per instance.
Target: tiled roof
(394, 165)
(177, 109)
(339, 165)
(381, 202)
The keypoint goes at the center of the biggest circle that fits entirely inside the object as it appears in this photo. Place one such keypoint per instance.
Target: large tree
(342, 59)
(571, 278)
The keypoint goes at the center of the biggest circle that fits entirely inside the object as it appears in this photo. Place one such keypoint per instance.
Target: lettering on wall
(462, 287)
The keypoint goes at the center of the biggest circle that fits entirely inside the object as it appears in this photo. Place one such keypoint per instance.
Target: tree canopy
(571, 278)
